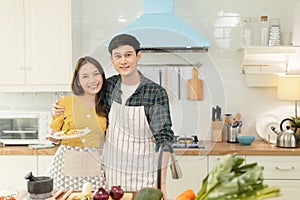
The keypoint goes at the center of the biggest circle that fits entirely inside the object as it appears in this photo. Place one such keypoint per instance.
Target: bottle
(264, 31)
(274, 32)
(246, 32)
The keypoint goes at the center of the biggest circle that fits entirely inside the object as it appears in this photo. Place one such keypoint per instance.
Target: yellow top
(78, 116)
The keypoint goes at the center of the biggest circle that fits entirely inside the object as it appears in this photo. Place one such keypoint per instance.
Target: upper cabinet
(35, 51)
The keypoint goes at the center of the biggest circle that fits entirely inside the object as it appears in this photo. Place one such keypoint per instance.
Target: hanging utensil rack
(169, 65)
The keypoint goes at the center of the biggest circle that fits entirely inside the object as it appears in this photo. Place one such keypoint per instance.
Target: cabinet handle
(285, 168)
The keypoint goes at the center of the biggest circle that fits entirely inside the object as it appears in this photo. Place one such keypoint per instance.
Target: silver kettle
(287, 138)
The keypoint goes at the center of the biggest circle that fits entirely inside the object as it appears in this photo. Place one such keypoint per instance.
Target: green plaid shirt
(155, 101)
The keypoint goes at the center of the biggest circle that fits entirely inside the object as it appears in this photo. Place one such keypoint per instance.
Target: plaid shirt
(155, 101)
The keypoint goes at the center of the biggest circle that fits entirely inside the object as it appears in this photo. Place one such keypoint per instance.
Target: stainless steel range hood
(159, 30)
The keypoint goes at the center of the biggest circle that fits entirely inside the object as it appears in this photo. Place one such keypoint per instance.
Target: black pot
(39, 185)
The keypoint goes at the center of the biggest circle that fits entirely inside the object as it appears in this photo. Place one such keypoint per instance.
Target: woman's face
(90, 79)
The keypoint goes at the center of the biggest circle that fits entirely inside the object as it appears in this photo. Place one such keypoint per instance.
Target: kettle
(287, 138)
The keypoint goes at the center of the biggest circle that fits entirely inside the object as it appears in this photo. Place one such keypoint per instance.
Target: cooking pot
(287, 137)
(39, 185)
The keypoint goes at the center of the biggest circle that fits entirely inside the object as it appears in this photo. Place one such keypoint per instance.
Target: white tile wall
(218, 20)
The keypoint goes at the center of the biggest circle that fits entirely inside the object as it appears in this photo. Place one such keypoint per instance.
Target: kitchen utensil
(160, 77)
(237, 117)
(195, 86)
(287, 137)
(216, 113)
(232, 133)
(178, 76)
(39, 187)
(166, 77)
(228, 119)
(185, 140)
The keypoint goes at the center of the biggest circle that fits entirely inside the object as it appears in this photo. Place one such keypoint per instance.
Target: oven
(24, 128)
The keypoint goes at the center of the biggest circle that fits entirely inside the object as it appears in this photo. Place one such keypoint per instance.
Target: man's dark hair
(124, 39)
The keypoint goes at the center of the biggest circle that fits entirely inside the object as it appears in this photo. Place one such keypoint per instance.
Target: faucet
(175, 169)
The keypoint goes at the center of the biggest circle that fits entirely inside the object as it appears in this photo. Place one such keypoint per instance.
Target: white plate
(273, 118)
(264, 124)
(81, 133)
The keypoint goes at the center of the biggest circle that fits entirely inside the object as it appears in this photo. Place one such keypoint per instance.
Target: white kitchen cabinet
(213, 160)
(13, 170)
(43, 162)
(282, 171)
(35, 49)
(194, 170)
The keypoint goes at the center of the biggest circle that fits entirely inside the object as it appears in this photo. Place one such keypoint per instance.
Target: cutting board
(195, 86)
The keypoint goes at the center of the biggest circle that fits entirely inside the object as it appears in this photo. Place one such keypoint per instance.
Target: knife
(214, 110)
(218, 110)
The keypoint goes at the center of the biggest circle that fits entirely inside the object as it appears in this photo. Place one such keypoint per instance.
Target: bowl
(245, 139)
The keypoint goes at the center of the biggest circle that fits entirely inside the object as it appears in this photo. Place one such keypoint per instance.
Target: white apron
(72, 166)
(129, 151)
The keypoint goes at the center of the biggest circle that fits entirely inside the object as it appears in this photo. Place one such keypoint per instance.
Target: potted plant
(297, 120)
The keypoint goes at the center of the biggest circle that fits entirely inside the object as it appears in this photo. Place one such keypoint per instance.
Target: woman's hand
(55, 141)
(57, 110)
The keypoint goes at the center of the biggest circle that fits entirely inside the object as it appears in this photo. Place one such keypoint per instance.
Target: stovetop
(198, 145)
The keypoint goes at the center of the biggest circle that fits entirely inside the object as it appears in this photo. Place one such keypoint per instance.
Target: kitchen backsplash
(224, 85)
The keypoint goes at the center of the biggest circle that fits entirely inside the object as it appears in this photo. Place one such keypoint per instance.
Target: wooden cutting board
(195, 86)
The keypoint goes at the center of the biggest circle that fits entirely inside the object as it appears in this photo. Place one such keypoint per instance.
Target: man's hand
(57, 110)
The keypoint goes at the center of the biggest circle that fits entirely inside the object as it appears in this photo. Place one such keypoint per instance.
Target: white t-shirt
(127, 91)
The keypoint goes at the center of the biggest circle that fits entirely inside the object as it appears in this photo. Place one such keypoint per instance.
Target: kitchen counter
(258, 147)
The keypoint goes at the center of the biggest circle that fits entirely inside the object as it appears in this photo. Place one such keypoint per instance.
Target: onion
(100, 194)
(116, 192)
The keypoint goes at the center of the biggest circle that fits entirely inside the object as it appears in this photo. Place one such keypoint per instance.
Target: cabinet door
(12, 42)
(194, 170)
(43, 164)
(35, 46)
(278, 167)
(13, 170)
(289, 189)
(48, 42)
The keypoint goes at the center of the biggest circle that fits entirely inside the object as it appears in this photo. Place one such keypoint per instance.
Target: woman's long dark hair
(77, 89)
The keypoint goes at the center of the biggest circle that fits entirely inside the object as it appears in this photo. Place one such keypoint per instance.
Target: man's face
(125, 59)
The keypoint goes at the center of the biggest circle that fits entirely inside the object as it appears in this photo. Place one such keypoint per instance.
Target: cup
(286, 39)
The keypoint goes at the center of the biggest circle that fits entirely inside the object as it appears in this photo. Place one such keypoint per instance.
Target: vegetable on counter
(149, 193)
(186, 195)
(101, 194)
(232, 180)
(116, 192)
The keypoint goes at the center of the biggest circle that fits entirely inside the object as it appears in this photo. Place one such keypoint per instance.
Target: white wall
(95, 21)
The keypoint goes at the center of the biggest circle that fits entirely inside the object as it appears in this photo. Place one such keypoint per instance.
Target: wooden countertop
(25, 150)
(258, 147)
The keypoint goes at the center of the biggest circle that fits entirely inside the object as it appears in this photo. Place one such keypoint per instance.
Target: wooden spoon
(237, 117)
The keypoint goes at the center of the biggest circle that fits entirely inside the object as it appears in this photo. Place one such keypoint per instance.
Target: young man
(139, 120)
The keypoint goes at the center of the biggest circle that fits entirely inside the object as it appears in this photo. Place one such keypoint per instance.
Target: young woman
(77, 159)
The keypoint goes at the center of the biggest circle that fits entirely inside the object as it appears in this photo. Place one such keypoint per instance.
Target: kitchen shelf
(260, 64)
(266, 59)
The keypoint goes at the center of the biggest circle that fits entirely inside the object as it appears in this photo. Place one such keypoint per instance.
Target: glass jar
(264, 31)
(246, 32)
